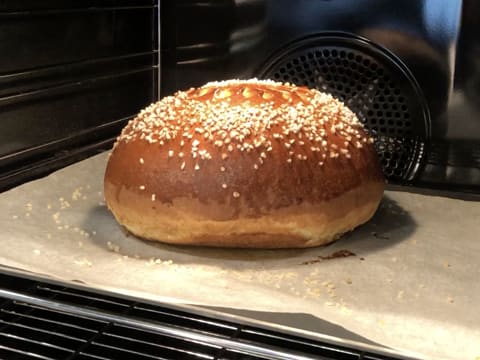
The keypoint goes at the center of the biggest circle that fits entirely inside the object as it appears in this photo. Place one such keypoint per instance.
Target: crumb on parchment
(113, 247)
(83, 262)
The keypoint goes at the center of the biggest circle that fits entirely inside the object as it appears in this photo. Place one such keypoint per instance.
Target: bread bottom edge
(293, 227)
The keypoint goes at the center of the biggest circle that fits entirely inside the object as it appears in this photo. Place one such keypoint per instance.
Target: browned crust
(310, 157)
(188, 222)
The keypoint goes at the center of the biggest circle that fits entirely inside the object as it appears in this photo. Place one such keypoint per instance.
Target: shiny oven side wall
(71, 74)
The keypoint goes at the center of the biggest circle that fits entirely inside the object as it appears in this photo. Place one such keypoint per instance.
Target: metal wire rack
(47, 321)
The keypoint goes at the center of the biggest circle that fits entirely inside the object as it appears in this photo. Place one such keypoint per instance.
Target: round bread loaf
(244, 163)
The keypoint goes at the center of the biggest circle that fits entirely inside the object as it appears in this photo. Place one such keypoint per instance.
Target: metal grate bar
(83, 295)
(93, 338)
(252, 349)
(56, 326)
(86, 356)
(150, 347)
(236, 355)
(293, 343)
(54, 313)
(33, 331)
(11, 352)
(47, 320)
(116, 351)
(38, 347)
(206, 324)
(34, 341)
(66, 294)
(140, 337)
(46, 313)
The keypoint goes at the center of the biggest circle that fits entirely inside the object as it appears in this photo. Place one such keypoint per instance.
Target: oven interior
(72, 74)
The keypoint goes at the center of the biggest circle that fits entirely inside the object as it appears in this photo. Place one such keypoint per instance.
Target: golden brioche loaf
(244, 163)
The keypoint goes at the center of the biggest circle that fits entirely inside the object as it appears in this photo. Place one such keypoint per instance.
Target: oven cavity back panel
(373, 83)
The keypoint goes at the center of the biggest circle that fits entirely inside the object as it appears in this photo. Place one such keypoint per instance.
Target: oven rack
(41, 320)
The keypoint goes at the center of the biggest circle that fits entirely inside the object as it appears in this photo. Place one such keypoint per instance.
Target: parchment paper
(413, 283)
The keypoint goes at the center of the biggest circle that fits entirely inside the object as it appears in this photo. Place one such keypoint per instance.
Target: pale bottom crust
(299, 226)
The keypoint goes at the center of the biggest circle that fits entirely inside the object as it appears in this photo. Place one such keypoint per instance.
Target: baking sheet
(411, 281)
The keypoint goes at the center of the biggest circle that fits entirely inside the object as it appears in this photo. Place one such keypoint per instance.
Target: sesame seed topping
(236, 194)
(224, 186)
(239, 116)
(153, 197)
(142, 187)
(267, 95)
(247, 92)
(222, 169)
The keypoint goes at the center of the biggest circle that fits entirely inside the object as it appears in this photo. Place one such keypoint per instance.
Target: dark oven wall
(71, 74)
